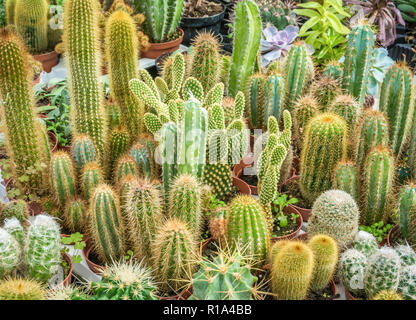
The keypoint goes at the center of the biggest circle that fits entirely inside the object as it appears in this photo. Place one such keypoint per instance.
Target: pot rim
(167, 44)
(292, 235)
(217, 16)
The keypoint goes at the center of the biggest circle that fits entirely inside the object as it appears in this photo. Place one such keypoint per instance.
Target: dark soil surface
(292, 226)
(250, 180)
(201, 8)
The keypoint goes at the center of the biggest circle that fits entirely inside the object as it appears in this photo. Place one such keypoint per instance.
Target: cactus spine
(125, 166)
(346, 178)
(346, 107)
(118, 145)
(274, 97)
(407, 212)
(15, 209)
(407, 282)
(247, 34)
(325, 90)
(23, 133)
(366, 243)
(357, 63)
(10, 11)
(75, 215)
(144, 160)
(9, 253)
(21, 289)
(81, 38)
(352, 266)
(305, 109)
(15, 228)
(83, 151)
(254, 92)
(62, 177)
(388, 295)
(91, 177)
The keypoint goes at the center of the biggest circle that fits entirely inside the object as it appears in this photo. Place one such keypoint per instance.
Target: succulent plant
(346, 178)
(125, 166)
(63, 181)
(352, 268)
(366, 243)
(407, 255)
(304, 110)
(15, 209)
(278, 13)
(75, 215)
(83, 151)
(10, 253)
(65, 293)
(144, 159)
(325, 90)
(119, 141)
(346, 107)
(407, 212)
(10, 11)
(408, 10)
(21, 289)
(16, 229)
(91, 177)
(381, 63)
(388, 295)
(407, 282)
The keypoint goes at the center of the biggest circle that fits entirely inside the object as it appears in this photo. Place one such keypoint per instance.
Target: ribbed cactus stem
(10, 11)
(83, 151)
(346, 178)
(407, 212)
(10, 252)
(16, 229)
(255, 92)
(21, 289)
(63, 181)
(119, 141)
(75, 215)
(125, 166)
(91, 177)
(15, 209)
(304, 110)
(274, 97)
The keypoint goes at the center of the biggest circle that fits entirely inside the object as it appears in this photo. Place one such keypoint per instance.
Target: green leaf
(308, 25)
(307, 13)
(336, 24)
(338, 8)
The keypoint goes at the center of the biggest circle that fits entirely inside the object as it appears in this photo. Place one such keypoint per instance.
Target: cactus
(10, 11)
(91, 177)
(162, 18)
(144, 214)
(10, 253)
(205, 64)
(335, 214)
(24, 143)
(397, 103)
(325, 90)
(323, 147)
(168, 154)
(255, 92)
(352, 267)
(122, 47)
(325, 255)
(174, 255)
(358, 60)
(366, 243)
(81, 38)
(247, 36)
(226, 277)
(276, 248)
(407, 212)
(346, 178)
(124, 281)
(407, 255)
(67, 293)
(377, 186)
(75, 215)
(383, 272)
(114, 117)
(124, 167)
(15, 209)
(119, 141)
(105, 224)
(274, 97)
(278, 13)
(407, 283)
(62, 177)
(247, 226)
(295, 70)
(304, 110)
(333, 70)
(21, 289)
(292, 271)
(388, 295)
(219, 177)
(346, 107)
(144, 160)
(43, 248)
(31, 21)
(124, 188)
(15, 228)
(373, 130)
(218, 225)
(83, 151)
(225, 71)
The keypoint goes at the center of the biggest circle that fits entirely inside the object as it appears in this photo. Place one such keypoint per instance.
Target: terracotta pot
(67, 280)
(54, 140)
(238, 171)
(242, 186)
(393, 231)
(35, 208)
(48, 60)
(157, 49)
(350, 296)
(93, 266)
(292, 235)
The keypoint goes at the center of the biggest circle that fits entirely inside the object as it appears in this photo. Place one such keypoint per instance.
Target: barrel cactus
(124, 167)
(407, 212)
(91, 177)
(83, 151)
(366, 243)
(119, 141)
(21, 289)
(304, 110)
(388, 295)
(325, 91)
(352, 267)
(75, 215)
(407, 282)
(17, 209)
(347, 107)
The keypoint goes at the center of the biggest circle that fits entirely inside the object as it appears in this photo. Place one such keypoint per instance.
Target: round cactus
(352, 267)
(62, 177)
(83, 151)
(9, 253)
(325, 255)
(407, 212)
(91, 177)
(388, 295)
(306, 107)
(348, 108)
(383, 271)
(15, 209)
(124, 167)
(325, 91)
(62, 293)
(407, 282)
(75, 215)
(15, 228)
(276, 248)
(346, 178)
(407, 255)
(21, 289)
(366, 243)
(218, 226)
(292, 271)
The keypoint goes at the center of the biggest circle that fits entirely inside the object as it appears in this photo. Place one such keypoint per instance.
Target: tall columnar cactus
(292, 271)
(325, 256)
(24, 138)
(124, 167)
(325, 90)
(83, 151)
(254, 92)
(407, 282)
(119, 141)
(105, 224)
(274, 98)
(43, 248)
(304, 110)
(383, 272)
(397, 103)
(357, 62)
(346, 178)
(122, 47)
(335, 214)
(144, 159)
(31, 22)
(144, 215)
(16, 229)
(168, 153)
(21, 289)
(407, 212)
(10, 253)
(352, 267)
(174, 254)
(10, 11)
(75, 215)
(206, 63)
(373, 130)
(124, 188)
(162, 18)
(91, 177)
(366, 243)
(295, 70)
(247, 226)
(15, 209)
(377, 186)
(348, 108)
(63, 181)
(323, 147)
(81, 38)
(247, 36)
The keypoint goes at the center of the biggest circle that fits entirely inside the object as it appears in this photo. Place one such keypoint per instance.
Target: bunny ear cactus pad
(10, 253)
(247, 36)
(407, 212)
(63, 181)
(352, 266)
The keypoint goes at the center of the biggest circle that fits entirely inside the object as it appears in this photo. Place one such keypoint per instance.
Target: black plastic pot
(401, 51)
(193, 26)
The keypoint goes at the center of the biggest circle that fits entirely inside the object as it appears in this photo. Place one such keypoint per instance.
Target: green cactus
(21, 289)
(31, 22)
(377, 186)
(346, 178)
(219, 177)
(43, 248)
(124, 167)
(10, 11)
(66, 293)
(407, 255)
(274, 98)
(383, 272)
(119, 141)
(352, 266)
(83, 151)
(63, 181)
(407, 212)
(247, 36)
(388, 295)
(105, 224)
(407, 282)
(225, 71)
(335, 214)
(305, 109)
(10, 253)
(325, 90)
(247, 227)
(358, 60)
(15, 209)
(278, 13)
(124, 281)
(174, 253)
(124, 188)
(366, 243)
(255, 94)
(144, 160)
(169, 156)
(121, 43)
(325, 256)
(346, 107)
(15, 228)
(82, 47)
(397, 103)
(292, 271)
(334, 70)
(91, 177)
(323, 147)
(75, 215)
(24, 137)
(114, 117)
